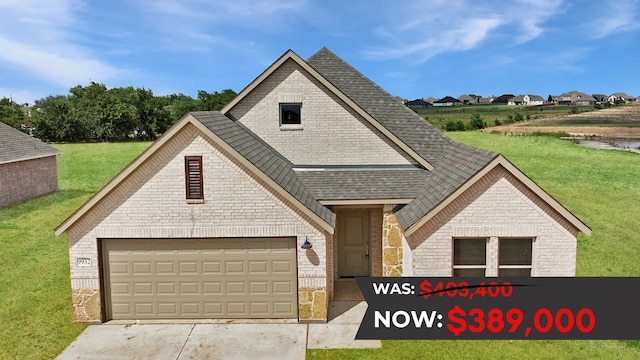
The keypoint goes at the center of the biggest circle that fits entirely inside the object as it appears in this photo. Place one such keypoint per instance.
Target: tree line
(94, 113)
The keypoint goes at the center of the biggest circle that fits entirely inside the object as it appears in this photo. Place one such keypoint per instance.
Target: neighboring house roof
(535, 98)
(18, 146)
(417, 102)
(620, 95)
(518, 98)
(447, 99)
(578, 96)
(448, 167)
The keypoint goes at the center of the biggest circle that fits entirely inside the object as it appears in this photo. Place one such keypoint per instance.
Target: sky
(412, 49)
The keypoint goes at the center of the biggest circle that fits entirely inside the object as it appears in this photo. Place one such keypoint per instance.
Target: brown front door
(353, 243)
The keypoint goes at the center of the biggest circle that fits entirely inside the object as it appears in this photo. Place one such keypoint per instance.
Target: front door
(353, 243)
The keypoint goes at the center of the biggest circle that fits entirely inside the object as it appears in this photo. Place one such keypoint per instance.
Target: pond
(609, 143)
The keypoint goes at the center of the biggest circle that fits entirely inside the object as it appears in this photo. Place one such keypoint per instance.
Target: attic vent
(193, 175)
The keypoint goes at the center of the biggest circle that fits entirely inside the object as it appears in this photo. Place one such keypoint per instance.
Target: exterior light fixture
(306, 245)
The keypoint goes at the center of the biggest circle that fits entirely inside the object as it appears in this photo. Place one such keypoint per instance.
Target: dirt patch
(618, 122)
(577, 131)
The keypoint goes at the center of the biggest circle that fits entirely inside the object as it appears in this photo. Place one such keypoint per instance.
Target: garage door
(200, 278)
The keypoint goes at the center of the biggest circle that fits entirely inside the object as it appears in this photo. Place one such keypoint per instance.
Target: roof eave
(168, 135)
(30, 157)
(513, 170)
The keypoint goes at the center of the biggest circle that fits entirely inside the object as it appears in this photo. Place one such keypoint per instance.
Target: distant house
(503, 99)
(516, 100)
(447, 101)
(532, 100)
(27, 167)
(576, 98)
(487, 100)
(600, 97)
(418, 104)
(431, 99)
(470, 98)
(619, 97)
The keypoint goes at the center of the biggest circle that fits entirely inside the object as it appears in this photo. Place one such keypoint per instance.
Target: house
(418, 104)
(532, 100)
(619, 97)
(526, 100)
(600, 97)
(311, 176)
(503, 99)
(470, 98)
(27, 167)
(576, 98)
(487, 100)
(516, 100)
(447, 101)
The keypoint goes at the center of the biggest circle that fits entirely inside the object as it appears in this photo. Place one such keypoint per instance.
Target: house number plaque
(83, 261)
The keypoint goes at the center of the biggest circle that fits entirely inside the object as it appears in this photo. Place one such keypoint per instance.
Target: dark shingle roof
(265, 158)
(364, 184)
(453, 163)
(412, 129)
(17, 146)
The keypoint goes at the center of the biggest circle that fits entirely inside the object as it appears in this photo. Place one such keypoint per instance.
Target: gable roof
(18, 146)
(340, 90)
(451, 167)
(242, 144)
(447, 99)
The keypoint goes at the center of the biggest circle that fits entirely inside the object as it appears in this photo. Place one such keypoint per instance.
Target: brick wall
(151, 204)
(496, 206)
(24, 180)
(331, 133)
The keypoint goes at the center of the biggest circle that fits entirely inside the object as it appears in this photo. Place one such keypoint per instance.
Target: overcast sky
(411, 49)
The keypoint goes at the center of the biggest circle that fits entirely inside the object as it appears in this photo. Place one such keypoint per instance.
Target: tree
(11, 113)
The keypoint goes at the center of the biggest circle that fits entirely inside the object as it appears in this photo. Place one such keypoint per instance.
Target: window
(193, 175)
(514, 257)
(290, 114)
(469, 257)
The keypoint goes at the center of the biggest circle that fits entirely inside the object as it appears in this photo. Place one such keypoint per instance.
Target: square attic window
(290, 114)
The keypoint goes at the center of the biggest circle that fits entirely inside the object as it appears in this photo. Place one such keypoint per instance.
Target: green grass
(600, 187)
(35, 295)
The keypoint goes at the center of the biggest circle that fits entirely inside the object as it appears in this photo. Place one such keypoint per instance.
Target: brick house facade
(313, 175)
(27, 167)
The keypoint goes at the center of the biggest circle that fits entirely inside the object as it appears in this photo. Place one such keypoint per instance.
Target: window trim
(198, 195)
(296, 126)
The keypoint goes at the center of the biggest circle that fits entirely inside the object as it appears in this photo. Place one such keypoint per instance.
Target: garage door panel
(202, 278)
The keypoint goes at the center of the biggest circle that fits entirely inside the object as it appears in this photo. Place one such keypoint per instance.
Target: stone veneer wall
(312, 304)
(392, 252)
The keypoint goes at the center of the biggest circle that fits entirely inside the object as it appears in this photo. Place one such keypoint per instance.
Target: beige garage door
(200, 278)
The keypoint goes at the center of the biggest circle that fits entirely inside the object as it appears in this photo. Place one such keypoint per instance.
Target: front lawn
(35, 295)
(601, 187)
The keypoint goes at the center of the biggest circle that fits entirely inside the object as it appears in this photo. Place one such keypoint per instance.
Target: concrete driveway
(264, 340)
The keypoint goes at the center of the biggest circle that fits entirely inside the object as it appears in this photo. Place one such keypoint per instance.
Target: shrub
(477, 122)
(574, 110)
(452, 125)
(497, 122)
